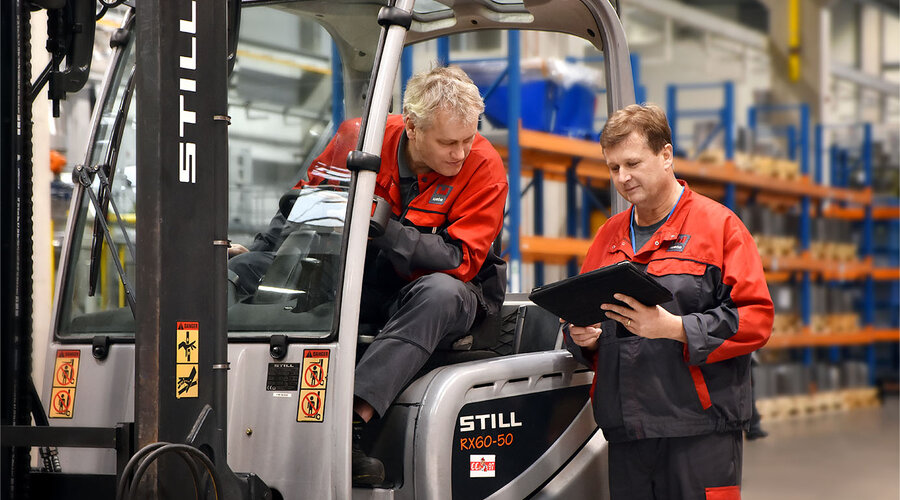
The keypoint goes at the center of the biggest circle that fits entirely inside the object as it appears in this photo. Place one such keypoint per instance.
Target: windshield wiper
(103, 199)
(84, 175)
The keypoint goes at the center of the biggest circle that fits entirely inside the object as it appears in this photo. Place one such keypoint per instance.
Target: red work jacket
(646, 388)
(466, 210)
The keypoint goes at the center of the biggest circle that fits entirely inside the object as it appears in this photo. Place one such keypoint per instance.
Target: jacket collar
(669, 231)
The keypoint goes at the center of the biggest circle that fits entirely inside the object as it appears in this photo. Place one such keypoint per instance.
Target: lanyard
(633, 241)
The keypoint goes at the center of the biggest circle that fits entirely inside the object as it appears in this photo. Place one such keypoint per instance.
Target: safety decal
(65, 378)
(482, 465)
(313, 381)
(187, 347)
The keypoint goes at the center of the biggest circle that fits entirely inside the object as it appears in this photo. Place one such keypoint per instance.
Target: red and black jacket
(650, 388)
(448, 227)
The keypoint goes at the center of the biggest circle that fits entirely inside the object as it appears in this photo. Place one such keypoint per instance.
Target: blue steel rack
(840, 179)
(724, 114)
(797, 136)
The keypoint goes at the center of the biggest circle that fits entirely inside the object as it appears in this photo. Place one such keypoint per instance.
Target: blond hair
(448, 88)
(648, 119)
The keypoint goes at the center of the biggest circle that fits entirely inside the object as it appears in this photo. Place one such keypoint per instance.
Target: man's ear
(410, 126)
(668, 155)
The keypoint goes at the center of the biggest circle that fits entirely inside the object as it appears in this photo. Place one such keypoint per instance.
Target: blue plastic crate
(575, 111)
(538, 100)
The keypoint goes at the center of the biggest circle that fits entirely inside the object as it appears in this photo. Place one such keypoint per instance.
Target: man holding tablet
(672, 381)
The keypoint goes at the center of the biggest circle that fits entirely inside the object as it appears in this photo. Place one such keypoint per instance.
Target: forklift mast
(181, 362)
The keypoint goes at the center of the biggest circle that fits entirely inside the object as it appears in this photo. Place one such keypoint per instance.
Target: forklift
(163, 382)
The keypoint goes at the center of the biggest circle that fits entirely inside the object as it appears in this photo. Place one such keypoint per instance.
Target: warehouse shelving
(556, 156)
(553, 156)
(544, 156)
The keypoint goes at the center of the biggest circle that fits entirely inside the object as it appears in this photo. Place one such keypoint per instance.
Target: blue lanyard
(633, 241)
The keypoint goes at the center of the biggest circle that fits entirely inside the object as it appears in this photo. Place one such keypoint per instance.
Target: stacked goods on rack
(833, 239)
(833, 310)
(791, 390)
(787, 313)
(770, 166)
(774, 232)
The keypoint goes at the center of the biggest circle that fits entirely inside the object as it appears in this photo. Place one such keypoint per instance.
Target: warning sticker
(315, 369)
(62, 403)
(187, 385)
(65, 378)
(313, 382)
(66, 371)
(186, 342)
(312, 406)
(187, 354)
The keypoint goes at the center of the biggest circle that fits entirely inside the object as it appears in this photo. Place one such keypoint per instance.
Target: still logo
(482, 465)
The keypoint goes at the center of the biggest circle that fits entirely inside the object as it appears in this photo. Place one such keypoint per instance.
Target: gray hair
(448, 88)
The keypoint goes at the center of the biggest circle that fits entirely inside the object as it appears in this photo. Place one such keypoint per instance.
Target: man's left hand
(652, 322)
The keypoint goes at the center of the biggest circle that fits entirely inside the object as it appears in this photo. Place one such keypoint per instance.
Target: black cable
(154, 455)
(111, 5)
(132, 463)
(150, 453)
(195, 474)
(105, 6)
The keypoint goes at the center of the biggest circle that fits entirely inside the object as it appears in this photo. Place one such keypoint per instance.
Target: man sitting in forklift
(431, 274)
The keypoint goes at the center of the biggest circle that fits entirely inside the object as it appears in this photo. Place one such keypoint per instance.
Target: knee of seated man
(441, 288)
(250, 262)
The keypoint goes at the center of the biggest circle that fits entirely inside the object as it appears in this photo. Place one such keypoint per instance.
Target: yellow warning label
(312, 406)
(66, 372)
(315, 369)
(313, 381)
(65, 378)
(62, 402)
(186, 383)
(187, 358)
(188, 346)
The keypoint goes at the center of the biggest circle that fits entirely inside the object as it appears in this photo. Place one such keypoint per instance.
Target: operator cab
(282, 107)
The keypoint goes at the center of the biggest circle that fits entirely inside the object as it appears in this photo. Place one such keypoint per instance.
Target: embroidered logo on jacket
(679, 243)
(441, 192)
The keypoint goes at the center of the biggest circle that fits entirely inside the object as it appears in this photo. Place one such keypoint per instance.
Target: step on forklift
(162, 381)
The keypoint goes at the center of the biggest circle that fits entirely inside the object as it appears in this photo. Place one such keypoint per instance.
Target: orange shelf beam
(885, 274)
(553, 250)
(886, 335)
(561, 250)
(554, 154)
(830, 270)
(857, 213)
(777, 276)
(864, 336)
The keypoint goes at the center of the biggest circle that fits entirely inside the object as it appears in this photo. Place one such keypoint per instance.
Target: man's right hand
(236, 249)
(585, 336)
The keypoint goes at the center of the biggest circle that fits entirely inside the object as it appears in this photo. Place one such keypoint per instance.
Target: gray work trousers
(704, 467)
(423, 313)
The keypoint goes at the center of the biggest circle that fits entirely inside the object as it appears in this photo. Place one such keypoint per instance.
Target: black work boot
(755, 432)
(367, 471)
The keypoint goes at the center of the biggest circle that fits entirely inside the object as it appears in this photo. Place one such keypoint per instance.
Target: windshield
(280, 104)
(285, 262)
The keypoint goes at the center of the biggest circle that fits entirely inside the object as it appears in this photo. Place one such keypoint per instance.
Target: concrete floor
(841, 455)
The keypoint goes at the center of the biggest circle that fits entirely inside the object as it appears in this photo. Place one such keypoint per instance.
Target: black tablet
(578, 299)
